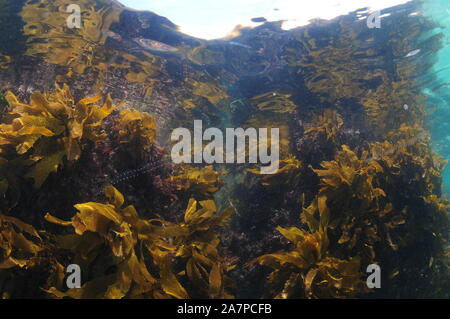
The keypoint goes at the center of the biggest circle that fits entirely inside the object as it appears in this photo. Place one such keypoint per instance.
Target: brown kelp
(47, 20)
(145, 256)
(136, 246)
(289, 173)
(137, 131)
(51, 129)
(24, 254)
(273, 102)
(213, 93)
(201, 181)
(365, 216)
(328, 125)
(308, 270)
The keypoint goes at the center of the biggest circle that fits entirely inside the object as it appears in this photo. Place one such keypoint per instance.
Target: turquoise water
(437, 90)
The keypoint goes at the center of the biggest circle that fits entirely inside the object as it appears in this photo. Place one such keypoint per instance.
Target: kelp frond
(25, 251)
(139, 245)
(289, 173)
(353, 172)
(137, 130)
(308, 270)
(274, 102)
(50, 128)
(203, 181)
(328, 125)
(210, 91)
(19, 243)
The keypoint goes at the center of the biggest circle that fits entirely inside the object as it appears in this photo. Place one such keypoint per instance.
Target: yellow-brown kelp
(202, 181)
(23, 252)
(75, 47)
(16, 248)
(274, 120)
(131, 241)
(137, 131)
(53, 127)
(5, 61)
(273, 102)
(202, 56)
(327, 125)
(137, 70)
(289, 173)
(210, 91)
(354, 155)
(308, 270)
(81, 50)
(335, 73)
(392, 104)
(363, 213)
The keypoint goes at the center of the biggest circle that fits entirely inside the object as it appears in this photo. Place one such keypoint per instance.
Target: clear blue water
(437, 91)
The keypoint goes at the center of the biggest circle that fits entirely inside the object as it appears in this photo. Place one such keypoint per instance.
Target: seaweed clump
(24, 255)
(326, 126)
(360, 217)
(308, 270)
(122, 255)
(137, 131)
(136, 248)
(51, 129)
(202, 181)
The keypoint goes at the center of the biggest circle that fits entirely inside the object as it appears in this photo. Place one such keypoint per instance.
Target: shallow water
(88, 175)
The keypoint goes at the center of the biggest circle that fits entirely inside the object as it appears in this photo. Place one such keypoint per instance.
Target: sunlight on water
(215, 19)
